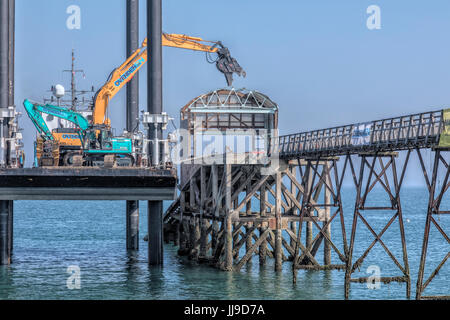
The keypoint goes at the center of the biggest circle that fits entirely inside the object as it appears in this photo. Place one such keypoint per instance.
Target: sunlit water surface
(51, 236)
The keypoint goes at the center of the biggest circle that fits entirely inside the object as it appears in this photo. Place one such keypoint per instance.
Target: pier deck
(87, 184)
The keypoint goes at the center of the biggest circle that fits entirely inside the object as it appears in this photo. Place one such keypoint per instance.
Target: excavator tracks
(47, 153)
(77, 161)
(109, 161)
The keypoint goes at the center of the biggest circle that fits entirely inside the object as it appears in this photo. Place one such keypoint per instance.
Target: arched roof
(231, 100)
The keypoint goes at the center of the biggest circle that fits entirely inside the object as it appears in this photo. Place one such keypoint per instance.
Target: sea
(77, 250)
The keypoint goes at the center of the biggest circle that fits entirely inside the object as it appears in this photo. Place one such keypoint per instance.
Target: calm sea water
(51, 236)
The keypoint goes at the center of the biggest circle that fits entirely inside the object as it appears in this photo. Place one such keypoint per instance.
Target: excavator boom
(35, 110)
(186, 42)
(123, 74)
(116, 80)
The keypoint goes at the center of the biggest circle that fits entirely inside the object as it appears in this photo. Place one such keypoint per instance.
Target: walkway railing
(420, 130)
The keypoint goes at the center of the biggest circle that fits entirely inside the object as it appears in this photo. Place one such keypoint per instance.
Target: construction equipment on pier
(123, 74)
(94, 144)
(98, 146)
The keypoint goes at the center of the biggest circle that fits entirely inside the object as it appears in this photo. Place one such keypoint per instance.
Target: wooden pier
(298, 189)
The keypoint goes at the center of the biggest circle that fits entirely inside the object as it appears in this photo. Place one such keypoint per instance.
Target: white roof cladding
(231, 101)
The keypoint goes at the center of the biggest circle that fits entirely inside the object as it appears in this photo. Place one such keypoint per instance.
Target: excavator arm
(123, 74)
(116, 81)
(35, 110)
(224, 62)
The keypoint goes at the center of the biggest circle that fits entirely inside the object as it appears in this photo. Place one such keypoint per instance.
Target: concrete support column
(155, 233)
(5, 232)
(132, 214)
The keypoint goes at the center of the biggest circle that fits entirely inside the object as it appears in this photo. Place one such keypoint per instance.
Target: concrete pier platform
(87, 184)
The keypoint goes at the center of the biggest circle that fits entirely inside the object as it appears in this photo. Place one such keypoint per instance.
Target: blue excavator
(85, 145)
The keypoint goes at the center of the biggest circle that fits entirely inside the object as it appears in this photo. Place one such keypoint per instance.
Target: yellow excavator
(123, 74)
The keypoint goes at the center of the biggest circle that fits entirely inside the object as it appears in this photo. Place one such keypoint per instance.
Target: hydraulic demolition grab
(225, 63)
(123, 74)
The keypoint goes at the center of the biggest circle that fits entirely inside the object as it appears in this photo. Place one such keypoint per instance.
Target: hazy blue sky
(316, 59)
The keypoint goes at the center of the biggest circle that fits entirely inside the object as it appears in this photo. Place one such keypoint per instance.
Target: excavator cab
(97, 138)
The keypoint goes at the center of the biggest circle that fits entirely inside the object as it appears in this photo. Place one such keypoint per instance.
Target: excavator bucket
(228, 65)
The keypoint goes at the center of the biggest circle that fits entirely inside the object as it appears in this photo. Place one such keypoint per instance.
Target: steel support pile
(387, 169)
(319, 177)
(155, 106)
(7, 114)
(4, 81)
(436, 195)
(132, 207)
(214, 219)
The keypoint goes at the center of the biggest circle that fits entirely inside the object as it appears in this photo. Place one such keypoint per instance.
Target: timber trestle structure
(231, 214)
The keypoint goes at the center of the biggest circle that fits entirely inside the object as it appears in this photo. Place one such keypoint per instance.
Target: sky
(316, 59)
